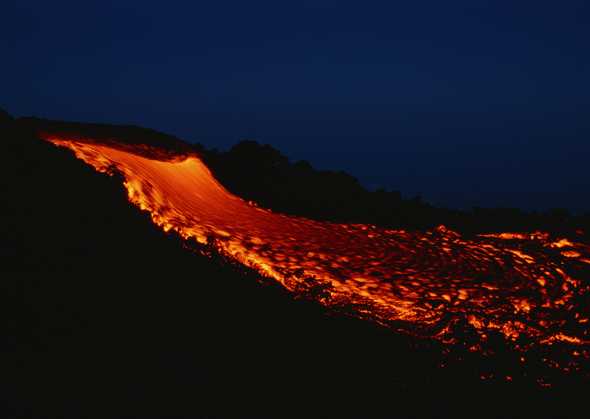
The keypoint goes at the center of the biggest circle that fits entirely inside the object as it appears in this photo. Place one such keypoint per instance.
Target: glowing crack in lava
(530, 289)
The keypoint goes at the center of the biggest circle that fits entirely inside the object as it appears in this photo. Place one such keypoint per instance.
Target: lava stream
(529, 288)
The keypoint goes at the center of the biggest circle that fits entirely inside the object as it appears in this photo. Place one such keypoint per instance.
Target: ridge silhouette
(262, 174)
(106, 316)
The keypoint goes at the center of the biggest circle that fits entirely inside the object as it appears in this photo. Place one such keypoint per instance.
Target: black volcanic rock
(159, 145)
(5, 117)
(264, 175)
(104, 315)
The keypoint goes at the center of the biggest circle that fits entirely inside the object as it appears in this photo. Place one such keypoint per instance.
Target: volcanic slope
(521, 286)
(67, 218)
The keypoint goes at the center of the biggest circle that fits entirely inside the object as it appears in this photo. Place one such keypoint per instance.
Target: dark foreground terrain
(106, 316)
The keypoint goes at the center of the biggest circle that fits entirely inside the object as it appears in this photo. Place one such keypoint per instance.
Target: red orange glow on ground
(520, 285)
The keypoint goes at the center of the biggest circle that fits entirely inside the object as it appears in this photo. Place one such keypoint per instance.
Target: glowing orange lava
(526, 287)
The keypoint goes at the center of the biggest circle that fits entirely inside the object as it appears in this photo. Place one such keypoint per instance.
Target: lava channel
(530, 289)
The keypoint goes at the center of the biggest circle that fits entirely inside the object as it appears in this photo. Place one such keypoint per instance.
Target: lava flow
(532, 290)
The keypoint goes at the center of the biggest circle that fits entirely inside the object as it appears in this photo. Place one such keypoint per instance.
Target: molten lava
(530, 289)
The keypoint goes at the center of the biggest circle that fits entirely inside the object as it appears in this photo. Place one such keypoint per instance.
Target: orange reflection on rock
(515, 284)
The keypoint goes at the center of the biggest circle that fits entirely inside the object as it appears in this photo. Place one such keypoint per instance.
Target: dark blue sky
(464, 102)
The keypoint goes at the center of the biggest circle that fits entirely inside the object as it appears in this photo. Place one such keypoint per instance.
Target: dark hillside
(106, 316)
(264, 175)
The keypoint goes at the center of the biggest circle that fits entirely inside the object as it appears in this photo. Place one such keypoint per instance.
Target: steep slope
(121, 318)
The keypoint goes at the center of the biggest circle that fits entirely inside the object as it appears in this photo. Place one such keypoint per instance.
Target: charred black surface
(262, 174)
(156, 144)
(106, 316)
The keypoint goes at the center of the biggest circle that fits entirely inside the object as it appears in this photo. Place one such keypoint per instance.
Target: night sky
(462, 102)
